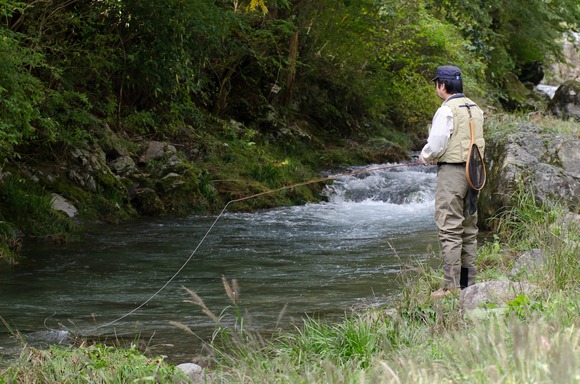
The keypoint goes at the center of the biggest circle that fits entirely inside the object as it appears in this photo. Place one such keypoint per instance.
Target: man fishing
(455, 201)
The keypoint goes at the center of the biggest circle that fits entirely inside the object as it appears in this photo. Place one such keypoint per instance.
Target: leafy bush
(20, 93)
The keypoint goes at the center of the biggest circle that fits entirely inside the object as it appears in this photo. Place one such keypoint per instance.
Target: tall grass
(498, 349)
(545, 225)
(494, 351)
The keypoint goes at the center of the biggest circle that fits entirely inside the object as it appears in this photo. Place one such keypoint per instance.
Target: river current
(313, 260)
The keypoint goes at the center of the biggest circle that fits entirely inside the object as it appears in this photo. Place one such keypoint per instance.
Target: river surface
(291, 262)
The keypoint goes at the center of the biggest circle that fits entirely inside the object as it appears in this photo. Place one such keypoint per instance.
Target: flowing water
(311, 260)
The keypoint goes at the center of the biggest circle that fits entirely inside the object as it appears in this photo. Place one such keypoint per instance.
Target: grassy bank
(529, 339)
(90, 364)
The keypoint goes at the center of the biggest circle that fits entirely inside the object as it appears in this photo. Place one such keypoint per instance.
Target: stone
(194, 371)
(494, 293)
(53, 336)
(570, 69)
(532, 72)
(171, 181)
(566, 100)
(59, 203)
(111, 144)
(123, 165)
(571, 149)
(147, 202)
(529, 261)
(157, 149)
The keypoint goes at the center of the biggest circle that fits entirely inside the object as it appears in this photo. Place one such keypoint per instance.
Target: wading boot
(443, 292)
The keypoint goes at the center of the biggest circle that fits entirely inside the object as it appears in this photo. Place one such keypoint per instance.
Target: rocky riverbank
(114, 178)
(536, 159)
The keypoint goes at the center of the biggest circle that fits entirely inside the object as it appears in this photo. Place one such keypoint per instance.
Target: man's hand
(422, 160)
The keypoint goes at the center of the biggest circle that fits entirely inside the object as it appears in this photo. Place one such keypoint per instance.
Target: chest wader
(457, 228)
(461, 174)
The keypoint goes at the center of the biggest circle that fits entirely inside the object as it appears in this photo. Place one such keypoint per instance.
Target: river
(310, 260)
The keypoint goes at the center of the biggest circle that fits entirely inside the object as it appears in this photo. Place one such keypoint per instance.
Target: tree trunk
(291, 73)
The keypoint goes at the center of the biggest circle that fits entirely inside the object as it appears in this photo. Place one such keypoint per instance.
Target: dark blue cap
(448, 72)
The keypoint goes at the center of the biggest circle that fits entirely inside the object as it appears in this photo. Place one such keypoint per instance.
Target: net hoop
(474, 151)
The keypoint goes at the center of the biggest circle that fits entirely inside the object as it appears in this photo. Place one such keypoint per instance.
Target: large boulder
(162, 158)
(123, 165)
(493, 294)
(566, 100)
(547, 164)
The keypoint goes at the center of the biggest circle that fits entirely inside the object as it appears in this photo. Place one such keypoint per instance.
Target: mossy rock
(517, 97)
(147, 202)
(566, 101)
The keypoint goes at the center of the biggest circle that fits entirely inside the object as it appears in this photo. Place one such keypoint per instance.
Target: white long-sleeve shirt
(441, 129)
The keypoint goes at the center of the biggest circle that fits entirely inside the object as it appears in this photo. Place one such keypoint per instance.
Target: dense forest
(252, 94)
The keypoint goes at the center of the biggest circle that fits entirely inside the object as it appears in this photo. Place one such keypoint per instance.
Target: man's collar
(455, 96)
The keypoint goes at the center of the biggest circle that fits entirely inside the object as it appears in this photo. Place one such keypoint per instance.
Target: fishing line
(312, 181)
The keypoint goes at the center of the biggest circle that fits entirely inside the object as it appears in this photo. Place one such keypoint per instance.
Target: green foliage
(336, 73)
(509, 33)
(376, 59)
(519, 306)
(530, 224)
(20, 93)
(562, 265)
(153, 68)
(552, 307)
(536, 340)
(95, 364)
(166, 45)
(352, 342)
(410, 44)
(71, 120)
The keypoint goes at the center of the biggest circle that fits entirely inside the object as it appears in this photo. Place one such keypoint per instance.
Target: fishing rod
(224, 209)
